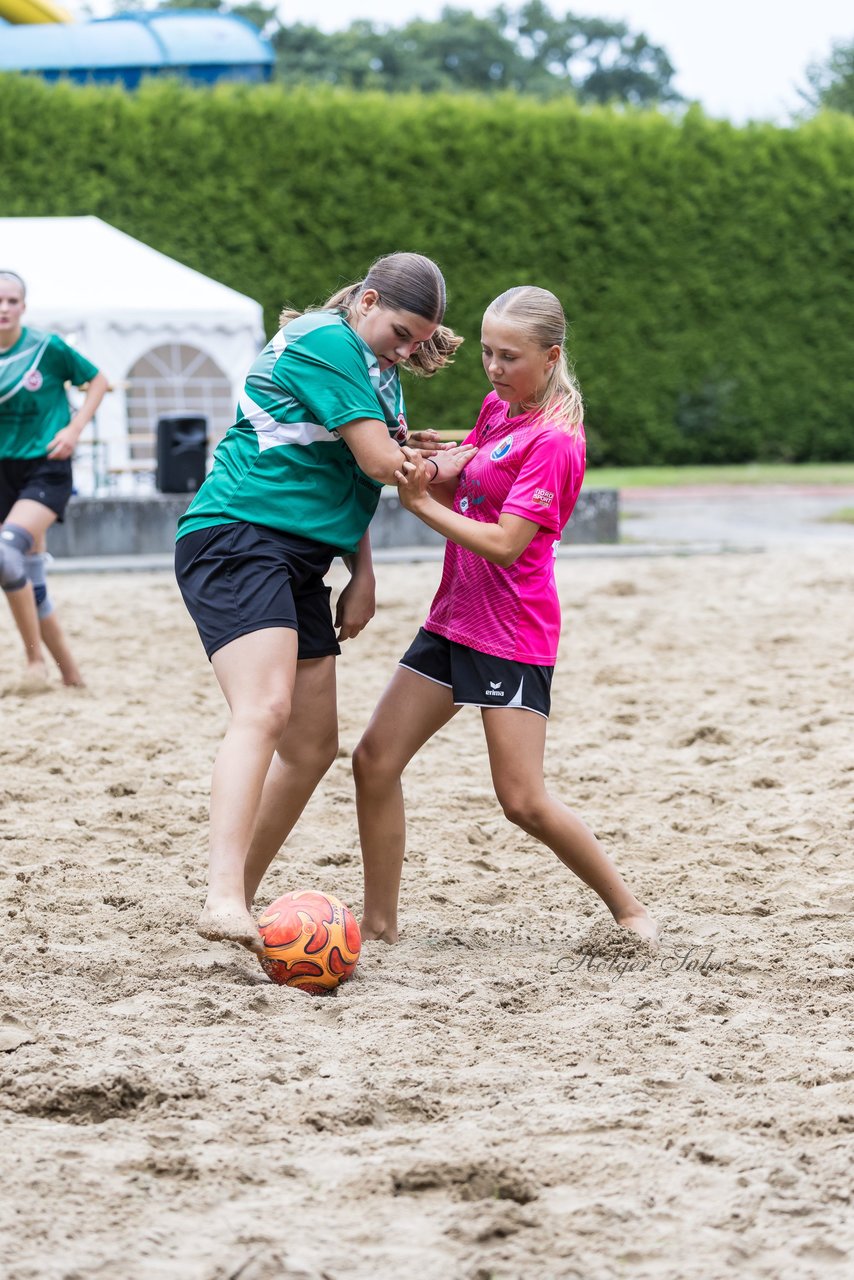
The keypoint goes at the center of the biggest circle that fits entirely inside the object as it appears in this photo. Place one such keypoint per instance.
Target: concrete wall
(146, 525)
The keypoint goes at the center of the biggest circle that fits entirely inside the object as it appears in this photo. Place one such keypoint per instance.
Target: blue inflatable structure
(201, 47)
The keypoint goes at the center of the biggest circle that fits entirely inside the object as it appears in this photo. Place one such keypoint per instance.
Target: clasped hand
(418, 471)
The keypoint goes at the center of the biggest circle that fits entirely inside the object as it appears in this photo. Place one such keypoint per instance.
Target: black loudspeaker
(182, 447)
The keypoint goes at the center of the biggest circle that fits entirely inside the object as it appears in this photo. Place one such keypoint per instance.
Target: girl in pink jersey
(490, 639)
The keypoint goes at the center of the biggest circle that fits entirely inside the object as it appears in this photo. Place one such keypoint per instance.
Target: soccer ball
(311, 941)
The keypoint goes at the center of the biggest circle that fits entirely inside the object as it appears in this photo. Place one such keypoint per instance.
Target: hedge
(705, 269)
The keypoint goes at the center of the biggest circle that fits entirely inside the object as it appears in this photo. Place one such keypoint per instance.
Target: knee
(15, 543)
(327, 752)
(35, 566)
(314, 758)
(267, 718)
(369, 763)
(361, 760)
(523, 810)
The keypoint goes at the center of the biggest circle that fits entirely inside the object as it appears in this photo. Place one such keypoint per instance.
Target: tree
(601, 61)
(528, 49)
(831, 83)
(260, 15)
(459, 51)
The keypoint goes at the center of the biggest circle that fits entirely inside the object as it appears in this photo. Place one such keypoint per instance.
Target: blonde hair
(404, 282)
(13, 275)
(538, 315)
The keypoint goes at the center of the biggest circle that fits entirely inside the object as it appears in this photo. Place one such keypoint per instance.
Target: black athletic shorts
(240, 578)
(478, 679)
(44, 480)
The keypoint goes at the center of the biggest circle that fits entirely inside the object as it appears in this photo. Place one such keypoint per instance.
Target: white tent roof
(77, 266)
(118, 301)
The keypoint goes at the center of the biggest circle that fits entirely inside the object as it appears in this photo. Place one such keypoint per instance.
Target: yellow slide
(30, 11)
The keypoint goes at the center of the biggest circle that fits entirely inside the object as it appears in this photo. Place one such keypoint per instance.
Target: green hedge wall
(705, 269)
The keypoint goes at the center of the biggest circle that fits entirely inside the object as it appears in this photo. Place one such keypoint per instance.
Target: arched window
(175, 378)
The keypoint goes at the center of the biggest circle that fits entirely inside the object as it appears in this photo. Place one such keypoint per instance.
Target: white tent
(169, 338)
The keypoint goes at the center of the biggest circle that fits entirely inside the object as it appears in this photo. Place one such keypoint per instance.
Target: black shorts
(478, 679)
(240, 578)
(44, 480)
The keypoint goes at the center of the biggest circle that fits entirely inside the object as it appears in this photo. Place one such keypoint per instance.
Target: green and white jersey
(283, 464)
(33, 403)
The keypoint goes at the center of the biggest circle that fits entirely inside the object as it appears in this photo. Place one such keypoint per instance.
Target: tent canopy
(168, 338)
(76, 266)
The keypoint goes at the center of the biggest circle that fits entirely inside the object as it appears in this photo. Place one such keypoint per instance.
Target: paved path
(699, 520)
(736, 515)
(411, 555)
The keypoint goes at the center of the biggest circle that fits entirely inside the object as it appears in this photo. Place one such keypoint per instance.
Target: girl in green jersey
(321, 427)
(37, 438)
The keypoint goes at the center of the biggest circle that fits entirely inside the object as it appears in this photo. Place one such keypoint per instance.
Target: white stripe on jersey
(271, 433)
(24, 356)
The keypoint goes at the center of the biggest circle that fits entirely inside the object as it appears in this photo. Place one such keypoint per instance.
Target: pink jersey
(524, 468)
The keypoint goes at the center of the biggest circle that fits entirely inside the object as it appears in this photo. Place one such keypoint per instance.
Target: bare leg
(52, 634)
(410, 711)
(57, 646)
(303, 754)
(516, 741)
(256, 673)
(36, 518)
(26, 619)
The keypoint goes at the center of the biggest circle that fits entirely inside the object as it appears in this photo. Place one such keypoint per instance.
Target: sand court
(515, 1090)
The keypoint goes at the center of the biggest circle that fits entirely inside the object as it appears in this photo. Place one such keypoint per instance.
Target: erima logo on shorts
(33, 380)
(502, 449)
(494, 690)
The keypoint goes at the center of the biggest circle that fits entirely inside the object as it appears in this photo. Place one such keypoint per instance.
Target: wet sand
(515, 1090)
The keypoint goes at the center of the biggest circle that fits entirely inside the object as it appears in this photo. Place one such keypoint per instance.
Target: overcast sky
(741, 58)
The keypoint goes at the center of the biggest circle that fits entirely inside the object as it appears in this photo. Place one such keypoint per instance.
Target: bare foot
(642, 924)
(378, 934)
(72, 679)
(230, 924)
(34, 678)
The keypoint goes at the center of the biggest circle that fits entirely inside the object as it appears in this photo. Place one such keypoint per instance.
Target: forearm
(491, 541)
(380, 458)
(393, 462)
(360, 562)
(98, 388)
(357, 602)
(444, 491)
(385, 468)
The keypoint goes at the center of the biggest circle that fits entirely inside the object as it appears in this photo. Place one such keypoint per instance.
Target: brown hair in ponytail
(403, 282)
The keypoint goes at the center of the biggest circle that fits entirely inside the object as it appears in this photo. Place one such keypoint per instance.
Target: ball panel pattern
(311, 941)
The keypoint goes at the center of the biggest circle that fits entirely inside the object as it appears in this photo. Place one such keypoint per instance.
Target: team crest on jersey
(502, 449)
(33, 380)
(402, 429)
